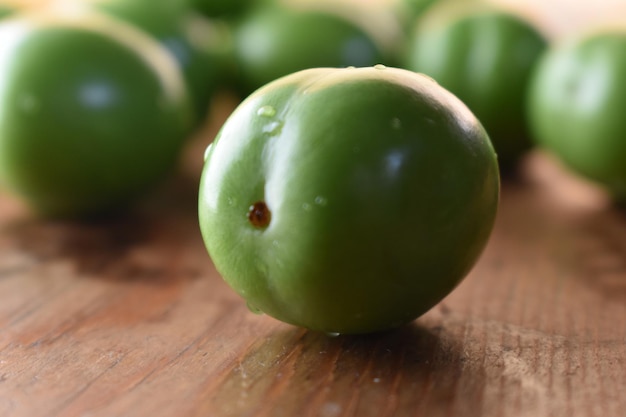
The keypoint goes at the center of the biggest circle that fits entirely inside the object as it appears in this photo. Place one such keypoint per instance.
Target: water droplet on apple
(321, 201)
(273, 128)
(266, 111)
(380, 66)
(254, 309)
(306, 206)
(396, 123)
(333, 334)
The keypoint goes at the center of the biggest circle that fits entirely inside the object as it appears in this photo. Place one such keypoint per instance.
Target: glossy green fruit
(348, 200)
(92, 112)
(576, 106)
(200, 46)
(274, 41)
(202, 49)
(486, 59)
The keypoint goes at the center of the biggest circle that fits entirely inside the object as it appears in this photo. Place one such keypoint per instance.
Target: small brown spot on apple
(259, 215)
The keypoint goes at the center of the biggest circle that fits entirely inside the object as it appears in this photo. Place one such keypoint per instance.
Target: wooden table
(128, 317)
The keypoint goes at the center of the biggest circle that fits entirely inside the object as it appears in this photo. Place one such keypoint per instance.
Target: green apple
(201, 47)
(348, 200)
(485, 57)
(275, 39)
(93, 113)
(576, 106)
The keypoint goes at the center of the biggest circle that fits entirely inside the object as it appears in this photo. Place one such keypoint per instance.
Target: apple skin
(381, 190)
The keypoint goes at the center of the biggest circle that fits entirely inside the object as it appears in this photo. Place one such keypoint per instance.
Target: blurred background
(222, 50)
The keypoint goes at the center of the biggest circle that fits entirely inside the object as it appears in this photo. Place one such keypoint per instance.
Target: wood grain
(127, 317)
